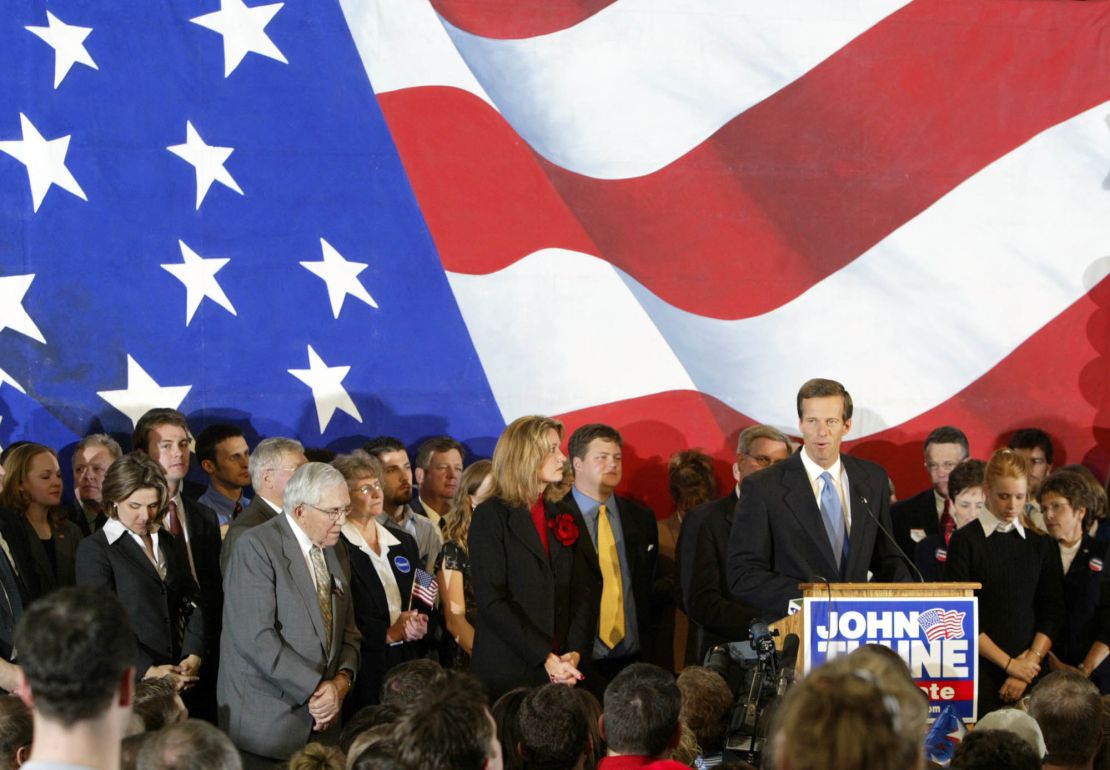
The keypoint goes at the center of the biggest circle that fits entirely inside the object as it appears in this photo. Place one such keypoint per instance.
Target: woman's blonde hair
(316, 756)
(456, 522)
(845, 716)
(518, 456)
(1005, 464)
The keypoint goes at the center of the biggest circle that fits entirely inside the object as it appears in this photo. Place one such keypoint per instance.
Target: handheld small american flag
(425, 588)
(938, 623)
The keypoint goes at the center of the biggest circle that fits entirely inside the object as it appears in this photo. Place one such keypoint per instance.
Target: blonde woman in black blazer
(148, 570)
(532, 627)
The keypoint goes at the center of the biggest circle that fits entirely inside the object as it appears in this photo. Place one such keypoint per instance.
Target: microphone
(890, 537)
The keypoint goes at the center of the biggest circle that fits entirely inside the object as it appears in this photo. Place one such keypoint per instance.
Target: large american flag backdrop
(339, 218)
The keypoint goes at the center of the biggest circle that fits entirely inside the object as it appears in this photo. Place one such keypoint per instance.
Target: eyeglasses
(366, 488)
(332, 513)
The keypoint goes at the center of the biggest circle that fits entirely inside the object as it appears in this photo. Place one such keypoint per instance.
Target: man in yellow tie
(620, 554)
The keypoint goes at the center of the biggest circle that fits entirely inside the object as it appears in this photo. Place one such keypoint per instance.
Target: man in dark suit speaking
(813, 517)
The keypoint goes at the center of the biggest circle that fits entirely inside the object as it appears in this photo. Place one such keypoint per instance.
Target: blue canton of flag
(425, 588)
(943, 737)
(201, 207)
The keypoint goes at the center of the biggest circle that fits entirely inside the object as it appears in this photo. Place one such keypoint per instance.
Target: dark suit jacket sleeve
(350, 652)
(1049, 597)
(584, 600)
(888, 564)
(92, 565)
(642, 547)
(497, 606)
(751, 554)
(195, 640)
(957, 566)
(711, 605)
(251, 610)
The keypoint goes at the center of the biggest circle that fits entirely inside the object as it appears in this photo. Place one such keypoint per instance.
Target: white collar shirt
(386, 541)
(306, 547)
(114, 530)
(839, 481)
(991, 524)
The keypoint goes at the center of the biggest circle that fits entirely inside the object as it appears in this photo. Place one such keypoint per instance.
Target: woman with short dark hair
(380, 562)
(148, 569)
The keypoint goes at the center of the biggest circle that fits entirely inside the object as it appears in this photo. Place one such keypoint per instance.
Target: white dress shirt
(114, 530)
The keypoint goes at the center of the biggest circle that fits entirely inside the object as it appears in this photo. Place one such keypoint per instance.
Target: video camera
(758, 676)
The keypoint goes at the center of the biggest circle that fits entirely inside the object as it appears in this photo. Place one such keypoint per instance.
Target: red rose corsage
(564, 528)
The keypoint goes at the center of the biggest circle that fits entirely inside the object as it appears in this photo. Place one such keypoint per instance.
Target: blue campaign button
(402, 564)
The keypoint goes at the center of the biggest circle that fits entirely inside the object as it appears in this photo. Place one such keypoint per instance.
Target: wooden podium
(795, 624)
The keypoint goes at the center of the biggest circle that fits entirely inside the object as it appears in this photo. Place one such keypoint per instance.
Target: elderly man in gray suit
(290, 647)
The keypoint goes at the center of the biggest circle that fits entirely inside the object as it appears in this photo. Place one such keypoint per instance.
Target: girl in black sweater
(1021, 606)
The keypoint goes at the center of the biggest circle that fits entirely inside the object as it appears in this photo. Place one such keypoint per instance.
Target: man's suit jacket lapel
(340, 593)
(799, 500)
(298, 573)
(859, 489)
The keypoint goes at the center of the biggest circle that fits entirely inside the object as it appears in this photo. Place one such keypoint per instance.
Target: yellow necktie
(323, 589)
(611, 622)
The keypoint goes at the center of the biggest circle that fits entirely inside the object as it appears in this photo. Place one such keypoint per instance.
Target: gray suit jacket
(258, 512)
(272, 653)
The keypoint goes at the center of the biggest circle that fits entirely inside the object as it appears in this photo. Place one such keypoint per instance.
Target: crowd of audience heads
(541, 577)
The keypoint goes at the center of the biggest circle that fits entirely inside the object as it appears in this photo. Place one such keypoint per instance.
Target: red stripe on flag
(514, 18)
(484, 196)
(1034, 385)
(791, 190)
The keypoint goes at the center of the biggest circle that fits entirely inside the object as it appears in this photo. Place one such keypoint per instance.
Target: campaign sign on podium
(938, 637)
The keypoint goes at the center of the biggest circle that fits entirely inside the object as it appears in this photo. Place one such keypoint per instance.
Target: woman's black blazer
(372, 613)
(529, 605)
(154, 606)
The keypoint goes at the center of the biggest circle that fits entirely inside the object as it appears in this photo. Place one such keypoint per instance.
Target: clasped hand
(562, 669)
(184, 675)
(324, 704)
(411, 626)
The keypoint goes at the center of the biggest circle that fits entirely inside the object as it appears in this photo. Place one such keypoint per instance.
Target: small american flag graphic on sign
(941, 624)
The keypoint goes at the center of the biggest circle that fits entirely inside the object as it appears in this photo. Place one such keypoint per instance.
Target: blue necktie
(833, 515)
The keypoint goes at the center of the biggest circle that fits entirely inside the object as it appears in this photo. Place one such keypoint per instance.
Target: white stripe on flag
(403, 44)
(973, 276)
(629, 89)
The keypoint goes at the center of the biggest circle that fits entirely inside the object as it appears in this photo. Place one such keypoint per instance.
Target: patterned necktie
(833, 514)
(175, 520)
(237, 510)
(611, 621)
(323, 589)
(947, 521)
